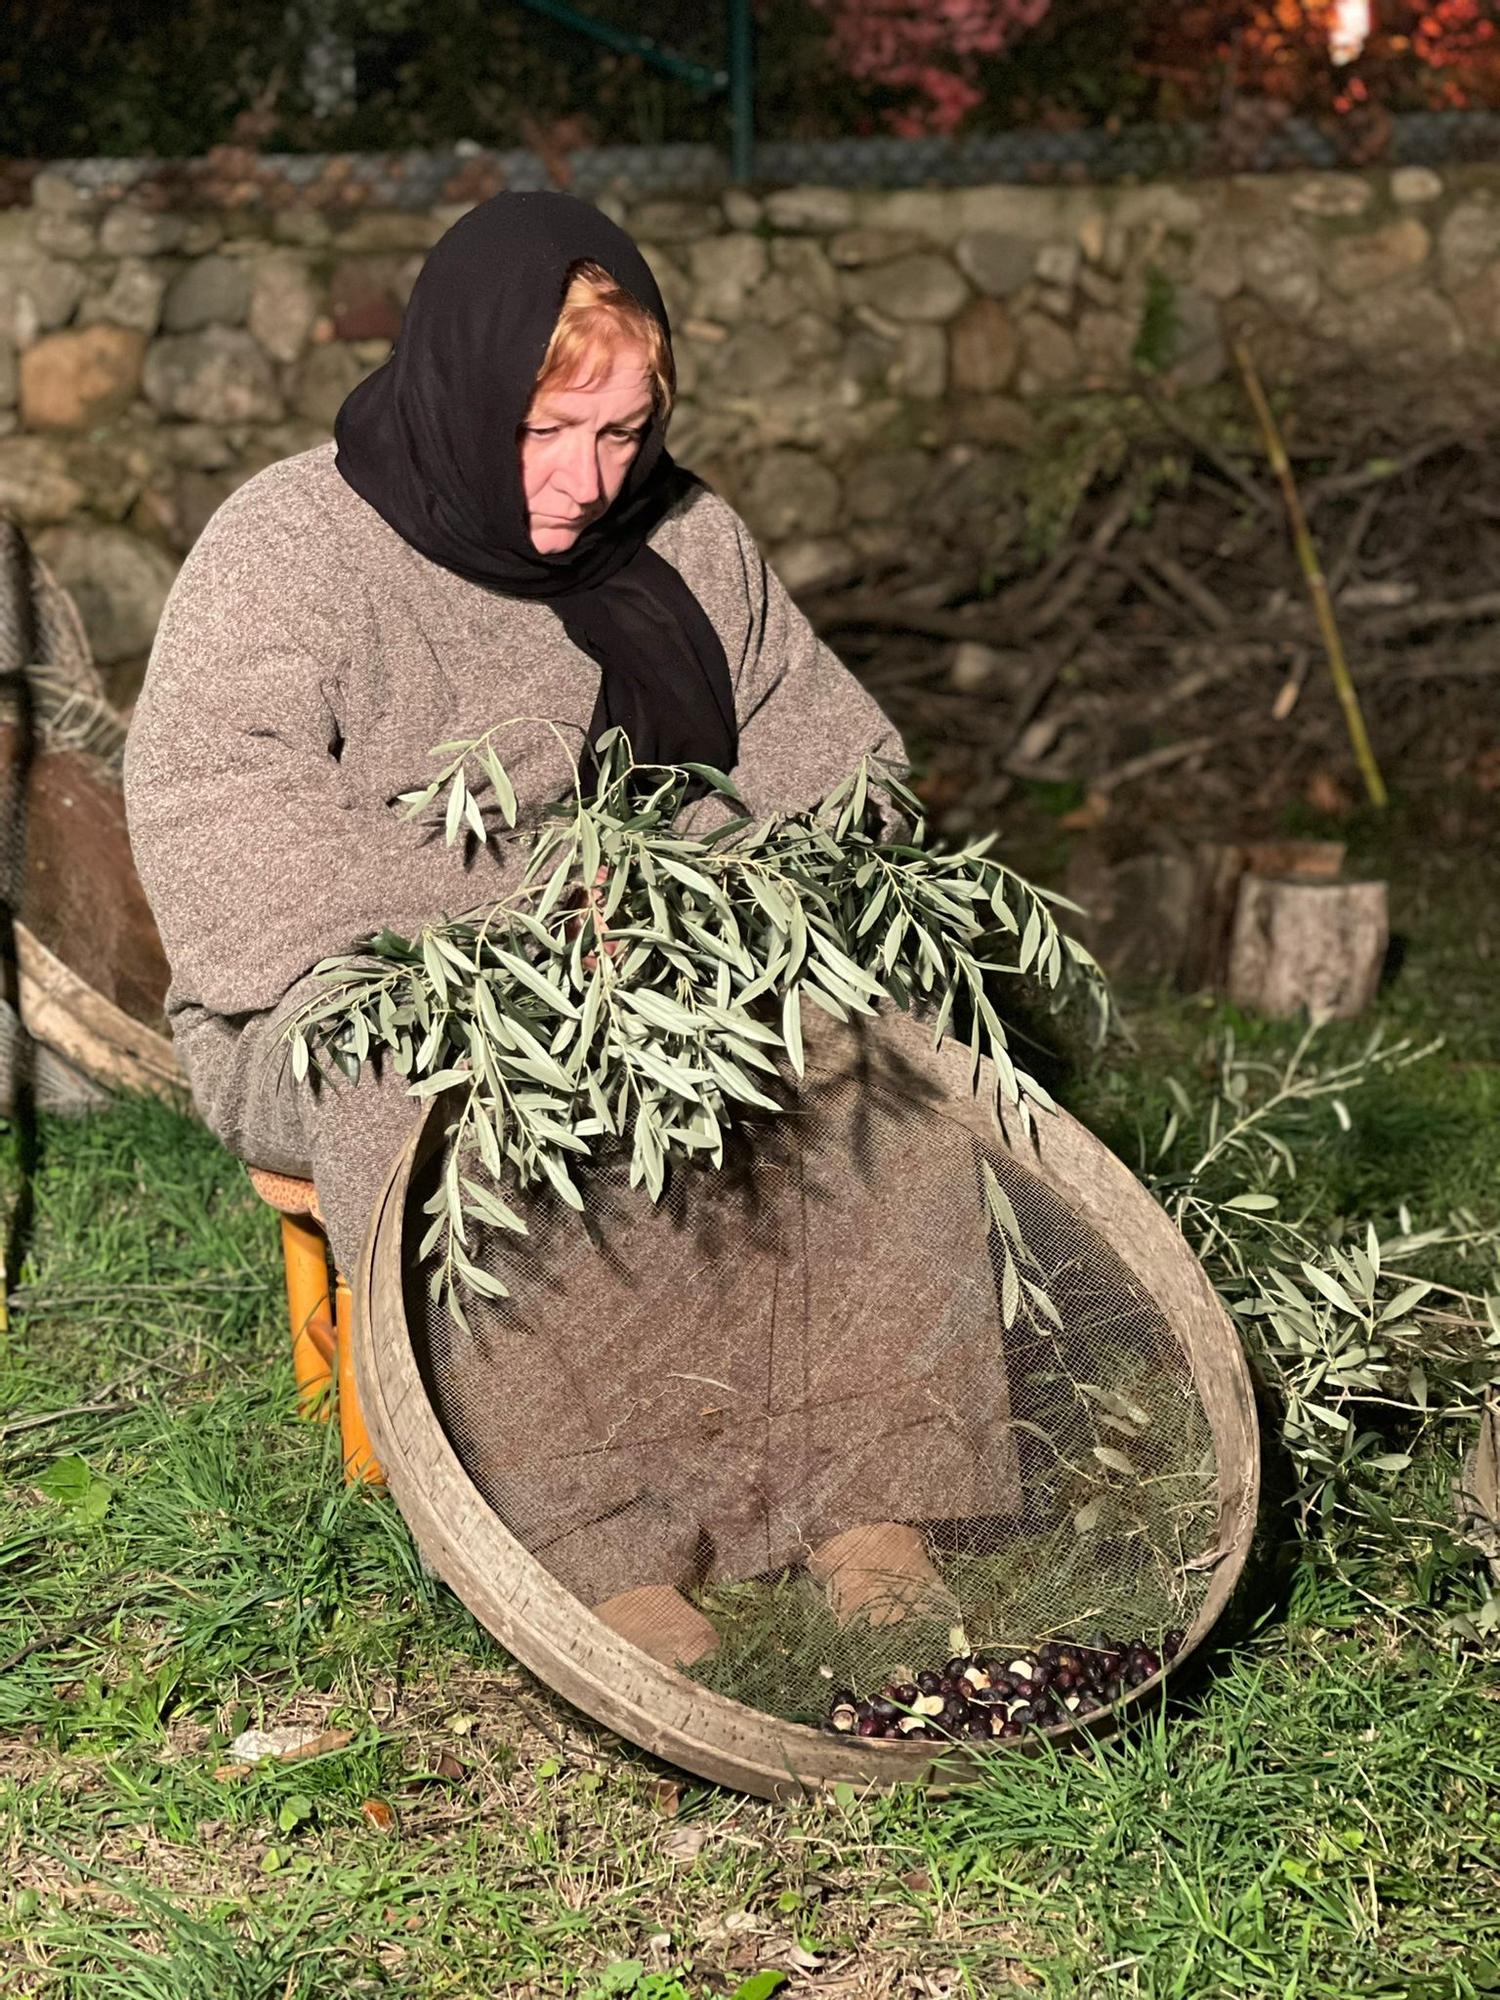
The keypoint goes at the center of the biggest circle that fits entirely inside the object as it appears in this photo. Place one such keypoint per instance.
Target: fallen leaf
(667, 1794)
(288, 1744)
(917, 1879)
(446, 1770)
(226, 1772)
(376, 1813)
(1325, 794)
(1094, 810)
(684, 1843)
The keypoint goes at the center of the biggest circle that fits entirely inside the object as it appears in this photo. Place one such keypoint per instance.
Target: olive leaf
(558, 1044)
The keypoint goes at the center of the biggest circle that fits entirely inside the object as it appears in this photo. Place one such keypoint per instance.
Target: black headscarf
(431, 441)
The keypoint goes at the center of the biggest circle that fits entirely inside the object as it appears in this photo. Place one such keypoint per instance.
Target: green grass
(1318, 1815)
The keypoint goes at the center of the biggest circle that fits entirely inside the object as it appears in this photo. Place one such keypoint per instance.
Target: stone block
(75, 379)
(38, 481)
(283, 304)
(852, 248)
(1333, 197)
(1469, 241)
(387, 230)
(726, 270)
(808, 269)
(128, 230)
(791, 493)
(118, 581)
(813, 563)
(1217, 268)
(64, 236)
(214, 291)
(321, 381)
(362, 300)
(670, 220)
(37, 295)
(1415, 187)
(1106, 345)
(1366, 263)
(1281, 267)
(888, 484)
(1050, 353)
(815, 209)
(742, 210)
(218, 376)
(925, 287)
(750, 362)
(994, 262)
(1057, 264)
(920, 368)
(132, 298)
(983, 348)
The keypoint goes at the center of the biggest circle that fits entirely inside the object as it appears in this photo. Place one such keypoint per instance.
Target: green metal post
(741, 91)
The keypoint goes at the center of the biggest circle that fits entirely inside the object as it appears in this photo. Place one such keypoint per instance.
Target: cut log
(1307, 946)
(661, 1622)
(879, 1572)
(1219, 867)
(1170, 914)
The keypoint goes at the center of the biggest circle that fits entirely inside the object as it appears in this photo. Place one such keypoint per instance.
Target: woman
(496, 531)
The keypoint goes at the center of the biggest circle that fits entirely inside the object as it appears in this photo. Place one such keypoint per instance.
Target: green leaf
(791, 1028)
(457, 797)
(1115, 1460)
(71, 1483)
(1330, 1287)
(500, 784)
(1252, 1204)
(760, 1985)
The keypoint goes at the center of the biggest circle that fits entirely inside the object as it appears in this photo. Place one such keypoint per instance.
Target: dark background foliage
(131, 77)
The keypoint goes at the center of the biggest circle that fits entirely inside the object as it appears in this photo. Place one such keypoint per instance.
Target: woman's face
(577, 445)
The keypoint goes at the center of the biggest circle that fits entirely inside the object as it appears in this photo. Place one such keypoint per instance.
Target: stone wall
(865, 374)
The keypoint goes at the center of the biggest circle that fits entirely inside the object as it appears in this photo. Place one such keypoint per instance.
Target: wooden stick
(1317, 583)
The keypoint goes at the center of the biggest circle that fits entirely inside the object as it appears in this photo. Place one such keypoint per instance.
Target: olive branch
(640, 983)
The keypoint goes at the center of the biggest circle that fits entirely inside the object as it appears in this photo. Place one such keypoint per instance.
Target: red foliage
(927, 48)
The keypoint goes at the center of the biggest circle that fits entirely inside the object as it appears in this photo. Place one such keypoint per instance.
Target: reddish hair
(599, 318)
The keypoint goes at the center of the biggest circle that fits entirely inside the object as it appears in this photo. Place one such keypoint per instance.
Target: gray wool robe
(306, 663)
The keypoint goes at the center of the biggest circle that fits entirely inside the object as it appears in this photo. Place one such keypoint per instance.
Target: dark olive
(1042, 1679)
(903, 1694)
(883, 1708)
(1022, 1713)
(868, 1726)
(977, 1725)
(1010, 1730)
(954, 1670)
(929, 1683)
(1171, 1644)
(1047, 1655)
(1150, 1662)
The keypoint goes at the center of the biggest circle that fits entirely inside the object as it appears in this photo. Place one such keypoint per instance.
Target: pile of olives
(1000, 1693)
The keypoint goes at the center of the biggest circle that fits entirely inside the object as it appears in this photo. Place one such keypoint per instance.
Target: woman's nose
(580, 471)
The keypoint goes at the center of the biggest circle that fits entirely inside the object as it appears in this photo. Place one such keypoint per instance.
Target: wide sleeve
(804, 720)
(255, 858)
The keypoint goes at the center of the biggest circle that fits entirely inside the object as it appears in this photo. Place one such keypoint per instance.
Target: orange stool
(322, 1326)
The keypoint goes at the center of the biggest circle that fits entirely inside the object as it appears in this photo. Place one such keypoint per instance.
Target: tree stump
(1219, 867)
(1169, 913)
(1310, 945)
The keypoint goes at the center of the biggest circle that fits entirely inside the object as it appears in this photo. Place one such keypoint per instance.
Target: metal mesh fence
(819, 1347)
(414, 180)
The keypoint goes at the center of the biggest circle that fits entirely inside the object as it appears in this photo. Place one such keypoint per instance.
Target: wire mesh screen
(795, 1425)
